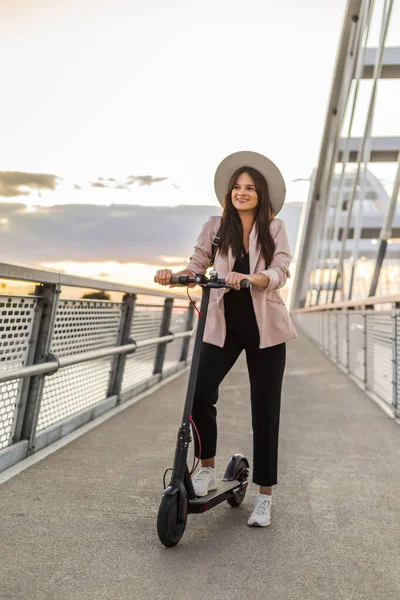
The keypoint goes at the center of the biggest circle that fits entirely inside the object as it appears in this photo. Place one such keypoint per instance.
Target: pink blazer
(273, 319)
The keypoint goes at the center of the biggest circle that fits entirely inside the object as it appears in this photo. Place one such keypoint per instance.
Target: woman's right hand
(163, 276)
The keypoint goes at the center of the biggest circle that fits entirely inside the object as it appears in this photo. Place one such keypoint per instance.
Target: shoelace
(261, 506)
(201, 475)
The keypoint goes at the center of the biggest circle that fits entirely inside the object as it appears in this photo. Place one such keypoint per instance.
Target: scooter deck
(223, 492)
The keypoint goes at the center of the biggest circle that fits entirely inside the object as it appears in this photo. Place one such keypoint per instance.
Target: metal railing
(65, 361)
(363, 338)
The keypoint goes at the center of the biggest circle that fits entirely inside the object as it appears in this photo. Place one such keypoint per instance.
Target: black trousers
(266, 367)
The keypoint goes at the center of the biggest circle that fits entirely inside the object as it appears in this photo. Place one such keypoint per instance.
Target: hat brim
(271, 173)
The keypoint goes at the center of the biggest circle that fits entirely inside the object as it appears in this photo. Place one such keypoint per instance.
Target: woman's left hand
(235, 278)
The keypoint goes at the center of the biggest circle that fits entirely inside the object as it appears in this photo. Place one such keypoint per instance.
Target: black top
(239, 311)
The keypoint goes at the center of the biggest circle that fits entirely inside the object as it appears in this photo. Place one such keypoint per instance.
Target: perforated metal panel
(325, 332)
(146, 324)
(333, 335)
(378, 364)
(310, 324)
(317, 327)
(321, 330)
(83, 325)
(342, 339)
(380, 355)
(178, 324)
(9, 398)
(16, 322)
(357, 346)
(80, 326)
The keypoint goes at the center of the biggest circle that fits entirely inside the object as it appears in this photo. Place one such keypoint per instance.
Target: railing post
(365, 350)
(46, 310)
(165, 325)
(348, 341)
(25, 381)
(189, 326)
(328, 332)
(395, 358)
(337, 335)
(123, 337)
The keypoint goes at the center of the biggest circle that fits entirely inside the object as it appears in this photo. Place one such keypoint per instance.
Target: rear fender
(231, 469)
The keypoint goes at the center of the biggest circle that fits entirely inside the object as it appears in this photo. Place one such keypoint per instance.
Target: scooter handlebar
(216, 283)
(180, 280)
(245, 283)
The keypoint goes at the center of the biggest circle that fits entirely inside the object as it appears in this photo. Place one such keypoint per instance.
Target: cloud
(97, 184)
(119, 232)
(11, 208)
(122, 233)
(17, 183)
(112, 183)
(144, 179)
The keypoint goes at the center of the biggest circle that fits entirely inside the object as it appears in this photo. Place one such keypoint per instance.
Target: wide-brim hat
(271, 173)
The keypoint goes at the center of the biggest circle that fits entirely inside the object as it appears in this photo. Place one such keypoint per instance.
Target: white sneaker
(261, 515)
(204, 481)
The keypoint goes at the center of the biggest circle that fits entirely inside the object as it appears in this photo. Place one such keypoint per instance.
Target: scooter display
(179, 498)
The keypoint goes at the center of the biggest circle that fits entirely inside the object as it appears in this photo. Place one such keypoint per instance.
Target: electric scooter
(179, 498)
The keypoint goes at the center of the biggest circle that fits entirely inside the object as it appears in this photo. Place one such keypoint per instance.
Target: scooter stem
(196, 355)
(182, 446)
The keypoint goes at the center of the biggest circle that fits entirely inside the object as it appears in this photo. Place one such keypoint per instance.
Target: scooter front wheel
(168, 529)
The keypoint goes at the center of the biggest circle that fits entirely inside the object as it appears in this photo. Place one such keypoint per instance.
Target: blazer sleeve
(278, 270)
(201, 257)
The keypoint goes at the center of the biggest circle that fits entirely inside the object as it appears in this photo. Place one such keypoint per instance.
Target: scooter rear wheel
(168, 529)
(237, 498)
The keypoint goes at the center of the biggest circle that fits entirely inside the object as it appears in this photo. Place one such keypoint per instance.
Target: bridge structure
(92, 389)
(346, 293)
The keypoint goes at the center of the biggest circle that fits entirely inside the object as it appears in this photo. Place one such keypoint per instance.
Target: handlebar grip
(179, 279)
(245, 283)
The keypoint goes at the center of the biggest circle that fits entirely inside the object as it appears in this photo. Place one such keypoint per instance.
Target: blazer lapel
(254, 251)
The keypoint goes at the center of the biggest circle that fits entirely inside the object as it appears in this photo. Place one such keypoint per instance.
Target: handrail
(393, 299)
(20, 273)
(54, 363)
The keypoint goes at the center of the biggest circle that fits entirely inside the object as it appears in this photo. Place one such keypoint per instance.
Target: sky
(100, 90)
(137, 102)
(97, 92)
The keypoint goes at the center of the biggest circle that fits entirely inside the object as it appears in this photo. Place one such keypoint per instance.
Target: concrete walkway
(81, 524)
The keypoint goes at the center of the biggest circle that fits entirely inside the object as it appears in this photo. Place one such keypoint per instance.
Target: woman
(253, 245)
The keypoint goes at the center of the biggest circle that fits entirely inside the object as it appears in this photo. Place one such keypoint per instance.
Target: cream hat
(271, 173)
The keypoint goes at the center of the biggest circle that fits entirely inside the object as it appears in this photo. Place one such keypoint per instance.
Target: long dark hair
(231, 224)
